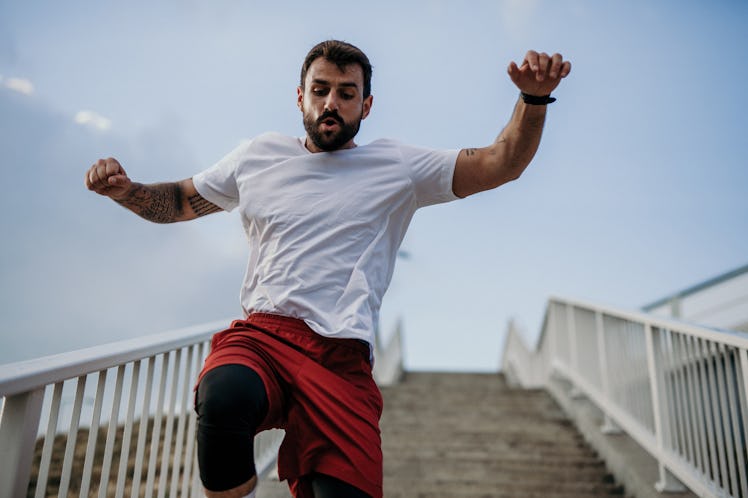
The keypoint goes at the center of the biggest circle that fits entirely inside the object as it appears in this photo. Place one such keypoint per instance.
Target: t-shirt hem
(319, 329)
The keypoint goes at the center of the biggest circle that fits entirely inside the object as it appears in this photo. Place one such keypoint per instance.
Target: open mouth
(330, 123)
(330, 119)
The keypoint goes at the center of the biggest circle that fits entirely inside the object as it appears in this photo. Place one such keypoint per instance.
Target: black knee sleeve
(231, 403)
(325, 486)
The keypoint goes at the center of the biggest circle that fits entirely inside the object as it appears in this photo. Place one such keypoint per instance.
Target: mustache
(330, 115)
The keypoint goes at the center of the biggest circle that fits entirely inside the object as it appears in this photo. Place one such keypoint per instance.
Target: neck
(311, 147)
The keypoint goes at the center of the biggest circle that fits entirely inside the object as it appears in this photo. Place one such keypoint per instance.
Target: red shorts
(320, 390)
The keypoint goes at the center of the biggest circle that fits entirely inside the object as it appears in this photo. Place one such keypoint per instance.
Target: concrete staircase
(470, 435)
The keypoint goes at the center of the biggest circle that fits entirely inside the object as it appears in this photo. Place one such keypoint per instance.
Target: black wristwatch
(535, 100)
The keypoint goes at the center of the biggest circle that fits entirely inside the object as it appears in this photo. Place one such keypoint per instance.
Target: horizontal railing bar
(32, 374)
(725, 336)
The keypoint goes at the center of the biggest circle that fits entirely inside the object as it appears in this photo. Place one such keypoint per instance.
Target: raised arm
(157, 202)
(503, 161)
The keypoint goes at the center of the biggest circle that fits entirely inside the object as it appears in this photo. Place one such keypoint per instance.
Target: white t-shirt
(324, 228)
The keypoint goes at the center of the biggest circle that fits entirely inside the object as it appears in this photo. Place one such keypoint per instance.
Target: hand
(539, 73)
(107, 177)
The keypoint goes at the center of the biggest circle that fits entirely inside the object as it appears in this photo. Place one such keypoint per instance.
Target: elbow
(503, 168)
(489, 181)
(507, 175)
(515, 173)
(518, 167)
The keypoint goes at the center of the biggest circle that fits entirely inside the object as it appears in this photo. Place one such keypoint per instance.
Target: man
(324, 219)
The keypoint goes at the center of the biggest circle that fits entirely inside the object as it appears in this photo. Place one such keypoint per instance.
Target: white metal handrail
(49, 403)
(388, 367)
(80, 395)
(679, 390)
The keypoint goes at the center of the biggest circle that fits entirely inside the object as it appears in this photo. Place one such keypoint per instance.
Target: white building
(720, 302)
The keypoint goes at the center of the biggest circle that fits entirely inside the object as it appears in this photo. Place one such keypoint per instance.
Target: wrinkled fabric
(319, 389)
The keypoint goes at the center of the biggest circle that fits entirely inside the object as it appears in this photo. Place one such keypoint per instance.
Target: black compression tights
(231, 403)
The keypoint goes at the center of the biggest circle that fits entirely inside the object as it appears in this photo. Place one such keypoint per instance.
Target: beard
(330, 140)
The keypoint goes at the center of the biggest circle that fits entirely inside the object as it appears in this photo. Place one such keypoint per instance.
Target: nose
(331, 102)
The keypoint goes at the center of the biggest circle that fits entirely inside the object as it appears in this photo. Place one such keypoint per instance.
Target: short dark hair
(341, 54)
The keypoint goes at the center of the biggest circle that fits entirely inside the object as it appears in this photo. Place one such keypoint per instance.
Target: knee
(231, 397)
(324, 486)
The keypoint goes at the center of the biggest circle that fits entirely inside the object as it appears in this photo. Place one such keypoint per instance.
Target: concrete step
(470, 435)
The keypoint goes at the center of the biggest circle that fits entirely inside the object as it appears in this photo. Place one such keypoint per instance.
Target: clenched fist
(540, 73)
(107, 177)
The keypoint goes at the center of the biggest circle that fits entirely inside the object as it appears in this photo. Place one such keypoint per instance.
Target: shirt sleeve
(217, 184)
(431, 172)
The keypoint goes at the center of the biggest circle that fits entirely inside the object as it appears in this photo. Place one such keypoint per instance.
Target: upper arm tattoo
(201, 206)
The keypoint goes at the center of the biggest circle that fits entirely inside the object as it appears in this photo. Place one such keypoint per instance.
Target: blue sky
(638, 189)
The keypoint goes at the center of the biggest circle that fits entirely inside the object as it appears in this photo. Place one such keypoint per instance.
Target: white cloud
(19, 85)
(93, 119)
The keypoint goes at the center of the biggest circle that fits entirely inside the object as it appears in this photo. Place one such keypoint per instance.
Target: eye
(347, 95)
(319, 92)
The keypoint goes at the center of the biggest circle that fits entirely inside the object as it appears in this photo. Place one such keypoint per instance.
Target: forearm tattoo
(201, 206)
(160, 203)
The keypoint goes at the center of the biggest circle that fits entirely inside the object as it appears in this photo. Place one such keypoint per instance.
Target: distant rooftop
(697, 288)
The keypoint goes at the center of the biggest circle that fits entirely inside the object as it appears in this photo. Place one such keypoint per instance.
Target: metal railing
(114, 420)
(679, 390)
(388, 367)
(117, 420)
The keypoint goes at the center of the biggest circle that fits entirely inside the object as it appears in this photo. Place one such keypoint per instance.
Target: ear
(366, 107)
(300, 98)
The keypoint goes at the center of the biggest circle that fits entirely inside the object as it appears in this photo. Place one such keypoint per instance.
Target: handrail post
(571, 327)
(572, 332)
(609, 426)
(553, 331)
(744, 370)
(742, 386)
(19, 422)
(667, 482)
